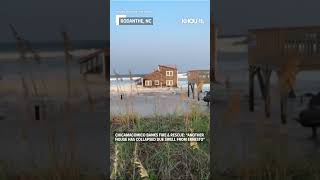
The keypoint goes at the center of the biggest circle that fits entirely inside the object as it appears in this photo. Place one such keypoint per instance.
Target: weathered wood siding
(161, 76)
(275, 46)
(174, 78)
(199, 76)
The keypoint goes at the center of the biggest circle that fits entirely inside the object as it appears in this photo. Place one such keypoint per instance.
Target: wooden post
(267, 99)
(251, 88)
(92, 65)
(261, 81)
(192, 90)
(283, 104)
(97, 64)
(283, 99)
(198, 89)
(87, 66)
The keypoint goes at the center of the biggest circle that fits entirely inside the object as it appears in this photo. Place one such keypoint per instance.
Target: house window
(169, 73)
(156, 82)
(169, 82)
(148, 83)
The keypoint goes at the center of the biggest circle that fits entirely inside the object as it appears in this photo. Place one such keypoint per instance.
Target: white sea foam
(228, 45)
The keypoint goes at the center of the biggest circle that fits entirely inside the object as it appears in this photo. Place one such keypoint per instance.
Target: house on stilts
(196, 78)
(285, 51)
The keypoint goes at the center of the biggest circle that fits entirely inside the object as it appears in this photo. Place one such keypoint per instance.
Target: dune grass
(161, 160)
(62, 164)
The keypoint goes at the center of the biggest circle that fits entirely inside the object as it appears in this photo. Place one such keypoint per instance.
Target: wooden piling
(267, 99)
(251, 88)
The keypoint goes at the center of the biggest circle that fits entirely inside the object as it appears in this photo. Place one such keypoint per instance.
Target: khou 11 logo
(192, 21)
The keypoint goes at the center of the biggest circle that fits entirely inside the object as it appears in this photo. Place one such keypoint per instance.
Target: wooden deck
(96, 63)
(286, 51)
(275, 46)
(91, 63)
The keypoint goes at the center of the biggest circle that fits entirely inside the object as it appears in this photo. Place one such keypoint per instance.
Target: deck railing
(273, 46)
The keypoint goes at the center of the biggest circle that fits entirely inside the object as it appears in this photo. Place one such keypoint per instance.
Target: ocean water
(54, 50)
(54, 45)
(235, 66)
(51, 53)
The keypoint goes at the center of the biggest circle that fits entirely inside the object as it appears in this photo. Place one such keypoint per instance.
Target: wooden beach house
(285, 51)
(163, 76)
(197, 77)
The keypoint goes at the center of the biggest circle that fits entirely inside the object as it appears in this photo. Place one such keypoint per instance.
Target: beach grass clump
(162, 160)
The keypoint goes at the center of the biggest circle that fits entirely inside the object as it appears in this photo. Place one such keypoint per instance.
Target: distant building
(197, 77)
(164, 76)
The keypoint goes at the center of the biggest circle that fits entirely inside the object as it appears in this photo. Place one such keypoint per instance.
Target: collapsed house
(163, 76)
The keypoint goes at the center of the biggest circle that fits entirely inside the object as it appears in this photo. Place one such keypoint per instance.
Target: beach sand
(151, 101)
(27, 143)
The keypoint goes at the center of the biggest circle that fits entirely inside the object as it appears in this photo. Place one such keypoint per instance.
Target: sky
(141, 48)
(42, 19)
(236, 16)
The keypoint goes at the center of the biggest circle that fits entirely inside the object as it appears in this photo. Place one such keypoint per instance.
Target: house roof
(168, 66)
(153, 74)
